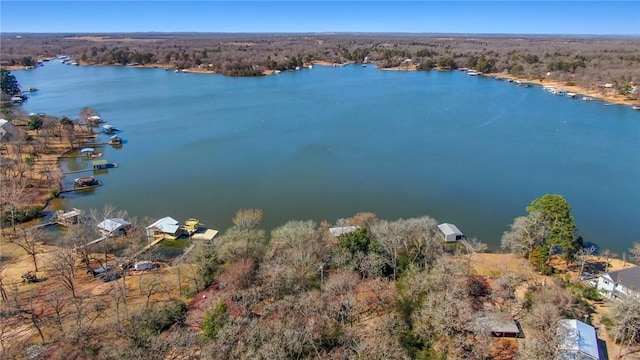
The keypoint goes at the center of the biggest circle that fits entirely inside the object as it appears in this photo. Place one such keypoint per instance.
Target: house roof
(629, 277)
(449, 229)
(497, 323)
(167, 225)
(577, 338)
(112, 225)
(8, 131)
(337, 231)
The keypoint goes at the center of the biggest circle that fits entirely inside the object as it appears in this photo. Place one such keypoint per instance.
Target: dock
(80, 188)
(149, 246)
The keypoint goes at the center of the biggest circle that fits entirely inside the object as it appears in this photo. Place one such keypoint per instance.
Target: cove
(326, 143)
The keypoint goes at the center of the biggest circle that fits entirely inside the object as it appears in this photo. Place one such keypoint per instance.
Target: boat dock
(80, 188)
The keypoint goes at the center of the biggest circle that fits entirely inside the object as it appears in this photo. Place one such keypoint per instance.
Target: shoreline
(608, 95)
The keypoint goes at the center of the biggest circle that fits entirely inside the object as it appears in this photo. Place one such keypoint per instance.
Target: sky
(464, 17)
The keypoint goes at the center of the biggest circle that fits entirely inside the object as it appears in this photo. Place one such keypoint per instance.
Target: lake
(326, 143)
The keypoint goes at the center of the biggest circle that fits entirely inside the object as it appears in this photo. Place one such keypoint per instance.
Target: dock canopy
(116, 225)
(450, 232)
(100, 164)
(167, 225)
(87, 150)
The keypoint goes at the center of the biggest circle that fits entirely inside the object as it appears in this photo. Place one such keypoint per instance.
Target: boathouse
(167, 228)
(100, 164)
(450, 232)
(114, 227)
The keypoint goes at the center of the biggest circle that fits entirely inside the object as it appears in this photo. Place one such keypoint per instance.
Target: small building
(337, 231)
(8, 131)
(620, 283)
(167, 227)
(577, 340)
(450, 232)
(498, 324)
(100, 164)
(114, 227)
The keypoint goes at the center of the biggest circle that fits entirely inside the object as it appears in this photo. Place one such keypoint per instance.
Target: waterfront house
(450, 232)
(114, 227)
(167, 228)
(577, 340)
(337, 231)
(620, 282)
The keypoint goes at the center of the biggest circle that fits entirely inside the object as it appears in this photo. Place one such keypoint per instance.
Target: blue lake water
(326, 143)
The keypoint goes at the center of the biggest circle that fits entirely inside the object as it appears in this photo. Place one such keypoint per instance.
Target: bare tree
(626, 319)
(30, 242)
(63, 264)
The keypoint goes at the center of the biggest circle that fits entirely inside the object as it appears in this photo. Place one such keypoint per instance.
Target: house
(114, 227)
(167, 227)
(337, 231)
(620, 282)
(577, 341)
(450, 232)
(8, 131)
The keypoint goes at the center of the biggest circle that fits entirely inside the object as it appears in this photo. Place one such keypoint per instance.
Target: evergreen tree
(8, 82)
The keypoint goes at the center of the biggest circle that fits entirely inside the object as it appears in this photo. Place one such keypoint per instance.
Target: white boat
(587, 98)
(571, 94)
(635, 107)
(473, 73)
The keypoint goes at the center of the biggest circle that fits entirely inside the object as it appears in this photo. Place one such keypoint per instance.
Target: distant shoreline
(594, 92)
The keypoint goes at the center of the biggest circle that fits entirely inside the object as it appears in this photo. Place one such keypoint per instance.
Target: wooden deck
(80, 188)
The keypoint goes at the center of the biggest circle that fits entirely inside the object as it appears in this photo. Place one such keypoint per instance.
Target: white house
(578, 341)
(450, 232)
(620, 282)
(114, 227)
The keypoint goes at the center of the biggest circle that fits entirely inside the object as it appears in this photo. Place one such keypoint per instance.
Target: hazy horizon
(571, 18)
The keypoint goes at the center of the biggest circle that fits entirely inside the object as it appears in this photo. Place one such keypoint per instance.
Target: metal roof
(577, 338)
(100, 162)
(112, 225)
(449, 229)
(87, 150)
(167, 225)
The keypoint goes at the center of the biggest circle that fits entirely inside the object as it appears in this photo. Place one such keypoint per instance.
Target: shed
(100, 164)
(73, 216)
(115, 226)
(337, 231)
(498, 324)
(165, 226)
(577, 340)
(450, 232)
(8, 131)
